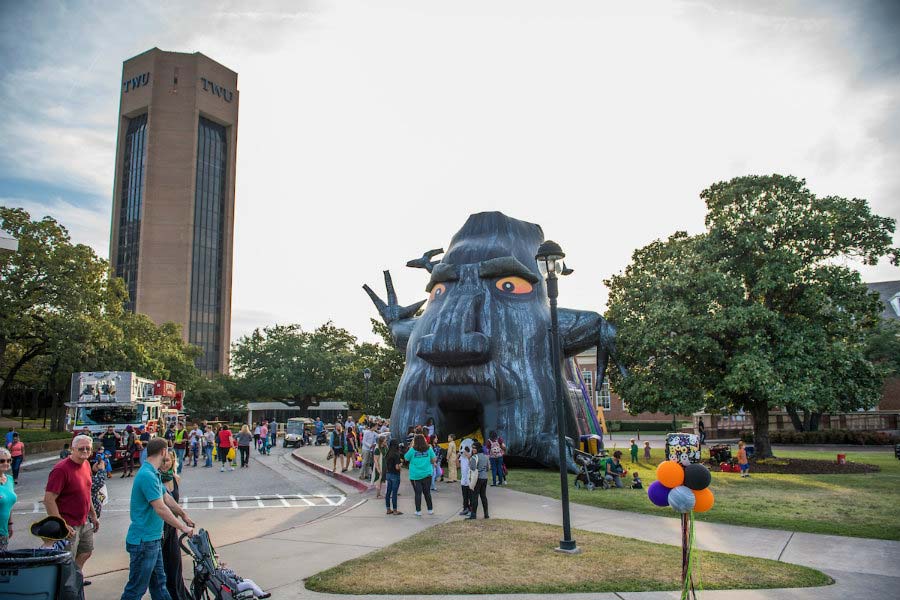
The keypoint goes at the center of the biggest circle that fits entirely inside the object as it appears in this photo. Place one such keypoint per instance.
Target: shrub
(835, 436)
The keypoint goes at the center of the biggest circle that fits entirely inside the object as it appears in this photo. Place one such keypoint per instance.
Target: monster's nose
(457, 339)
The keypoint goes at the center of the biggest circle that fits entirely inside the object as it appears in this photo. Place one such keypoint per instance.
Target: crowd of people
(367, 445)
(76, 492)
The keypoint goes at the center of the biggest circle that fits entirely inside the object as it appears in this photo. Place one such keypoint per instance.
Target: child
(742, 460)
(634, 451)
(53, 533)
(636, 482)
(242, 582)
(65, 452)
(646, 451)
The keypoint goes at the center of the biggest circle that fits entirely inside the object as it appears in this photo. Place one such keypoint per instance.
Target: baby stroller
(210, 582)
(590, 470)
(321, 438)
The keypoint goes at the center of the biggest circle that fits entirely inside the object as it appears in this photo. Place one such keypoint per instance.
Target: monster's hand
(399, 319)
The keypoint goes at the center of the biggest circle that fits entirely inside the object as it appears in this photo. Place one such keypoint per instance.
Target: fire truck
(121, 398)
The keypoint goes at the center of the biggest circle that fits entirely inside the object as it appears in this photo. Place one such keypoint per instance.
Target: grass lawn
(863, 505)
(42, 435)
(522, 560)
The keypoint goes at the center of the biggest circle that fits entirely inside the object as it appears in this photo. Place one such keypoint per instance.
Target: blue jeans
(16, 463)
(496, 470)
(179, 452)
(145, 569)
(393, 486)
(207, 452)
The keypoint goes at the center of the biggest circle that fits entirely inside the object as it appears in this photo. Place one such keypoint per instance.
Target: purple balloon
(658, 494)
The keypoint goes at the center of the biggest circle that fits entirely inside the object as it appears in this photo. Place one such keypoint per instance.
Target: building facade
(173, 196)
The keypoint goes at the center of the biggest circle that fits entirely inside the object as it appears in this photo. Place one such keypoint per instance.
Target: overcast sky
(369, 131)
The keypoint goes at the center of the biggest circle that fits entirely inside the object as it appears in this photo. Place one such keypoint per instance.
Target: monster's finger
(378, 302)
(407, 312)
(391, 294)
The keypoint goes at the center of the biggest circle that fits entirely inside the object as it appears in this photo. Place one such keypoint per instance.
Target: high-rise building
(173, 200)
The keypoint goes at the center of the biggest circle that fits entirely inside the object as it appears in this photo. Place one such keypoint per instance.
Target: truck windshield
(107, 415)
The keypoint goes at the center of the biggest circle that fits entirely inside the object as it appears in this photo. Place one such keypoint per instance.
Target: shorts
(745, 467)
(338, 451)
(83, 541)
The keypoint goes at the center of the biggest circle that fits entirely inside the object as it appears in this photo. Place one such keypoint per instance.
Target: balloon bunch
(685, 489)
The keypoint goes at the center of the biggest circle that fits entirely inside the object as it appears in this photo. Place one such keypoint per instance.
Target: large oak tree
(759, 311)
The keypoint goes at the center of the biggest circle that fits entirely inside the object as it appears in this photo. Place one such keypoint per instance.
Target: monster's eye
(437, 291)
(514, 285)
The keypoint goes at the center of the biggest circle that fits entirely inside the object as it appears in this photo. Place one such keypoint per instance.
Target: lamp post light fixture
(550, 261)
(367, 375)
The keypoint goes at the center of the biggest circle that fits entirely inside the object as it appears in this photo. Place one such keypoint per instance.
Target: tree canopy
(757, 312)
(61, 312)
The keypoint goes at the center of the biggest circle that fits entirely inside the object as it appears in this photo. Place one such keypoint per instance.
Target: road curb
(345, 479)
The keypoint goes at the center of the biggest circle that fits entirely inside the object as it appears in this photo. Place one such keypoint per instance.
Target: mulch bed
(805, 466)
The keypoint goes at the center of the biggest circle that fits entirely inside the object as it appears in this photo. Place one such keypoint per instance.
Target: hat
(51, 528)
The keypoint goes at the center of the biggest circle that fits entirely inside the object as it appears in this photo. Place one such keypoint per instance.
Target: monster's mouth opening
(463, 409)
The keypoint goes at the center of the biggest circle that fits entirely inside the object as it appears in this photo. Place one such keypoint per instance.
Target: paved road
(273, 495)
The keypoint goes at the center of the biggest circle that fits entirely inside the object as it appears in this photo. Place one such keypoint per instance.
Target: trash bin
(38, 575)
(842, 459)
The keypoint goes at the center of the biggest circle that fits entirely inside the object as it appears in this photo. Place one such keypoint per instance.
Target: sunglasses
(3, 461)
(88, 449)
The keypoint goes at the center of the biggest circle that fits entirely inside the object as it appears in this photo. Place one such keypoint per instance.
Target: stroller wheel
(590, 487)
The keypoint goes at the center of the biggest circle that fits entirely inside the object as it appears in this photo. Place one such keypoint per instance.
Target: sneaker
(418, 513)
(397, 512)
(472, 516)
(231, 468)
(486, 517)
(464, 513)
(222, 470)
(430, 512)
(390, 512)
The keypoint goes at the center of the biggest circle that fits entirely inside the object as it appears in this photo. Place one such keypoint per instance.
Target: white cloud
(368, 133)
(85, 225)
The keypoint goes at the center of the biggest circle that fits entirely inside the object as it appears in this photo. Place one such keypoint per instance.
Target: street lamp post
(549, 258)
(367, 375)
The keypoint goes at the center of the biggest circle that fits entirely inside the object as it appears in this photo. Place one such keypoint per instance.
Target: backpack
(496, 449)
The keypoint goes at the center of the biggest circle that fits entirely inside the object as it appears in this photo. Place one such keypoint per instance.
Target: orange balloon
(670, 474)
(705, 500)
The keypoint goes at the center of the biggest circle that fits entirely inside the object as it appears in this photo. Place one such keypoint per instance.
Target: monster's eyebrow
(442, 272)
(505, 266)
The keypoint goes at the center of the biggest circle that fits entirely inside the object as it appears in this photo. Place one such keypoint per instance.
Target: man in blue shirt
(151, 505)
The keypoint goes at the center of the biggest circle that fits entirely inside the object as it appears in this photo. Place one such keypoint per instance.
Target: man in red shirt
(68, 496)
(225, 444)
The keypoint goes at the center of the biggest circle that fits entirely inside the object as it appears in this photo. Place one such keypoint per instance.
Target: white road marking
(297, 501)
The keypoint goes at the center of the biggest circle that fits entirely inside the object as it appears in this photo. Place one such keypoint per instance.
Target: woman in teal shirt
(421, 459)
(7, 498)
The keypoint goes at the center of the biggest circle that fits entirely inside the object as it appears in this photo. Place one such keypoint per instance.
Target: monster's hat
(492, 235)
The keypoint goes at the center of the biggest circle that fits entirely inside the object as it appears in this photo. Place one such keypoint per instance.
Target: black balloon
(697, 477)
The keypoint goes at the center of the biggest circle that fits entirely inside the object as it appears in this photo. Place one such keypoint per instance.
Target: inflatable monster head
(478, 356)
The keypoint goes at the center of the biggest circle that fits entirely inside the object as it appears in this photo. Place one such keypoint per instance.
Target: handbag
(103, 494)
(473, 475)
(330, 454)
(230, 455)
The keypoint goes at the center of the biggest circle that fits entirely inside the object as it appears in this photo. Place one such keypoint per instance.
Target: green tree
(61, 312)
(756, 312)
(385, 363)
(211, 398)
(284, 362)
(47, 288)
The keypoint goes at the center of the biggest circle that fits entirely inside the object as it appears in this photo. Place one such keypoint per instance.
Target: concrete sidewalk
(860, 567)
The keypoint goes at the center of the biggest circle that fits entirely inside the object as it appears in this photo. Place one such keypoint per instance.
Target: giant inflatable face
(478, 357)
